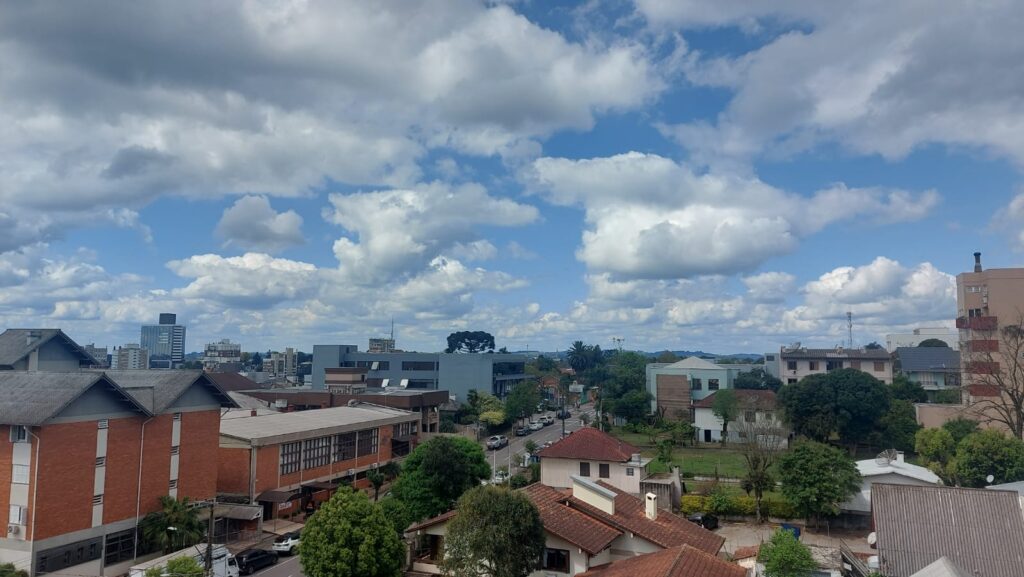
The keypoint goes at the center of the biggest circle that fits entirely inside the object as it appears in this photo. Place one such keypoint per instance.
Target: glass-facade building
(165, 342)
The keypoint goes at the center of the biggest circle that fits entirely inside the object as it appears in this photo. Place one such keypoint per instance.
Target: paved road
(286, 567)
(549, 433)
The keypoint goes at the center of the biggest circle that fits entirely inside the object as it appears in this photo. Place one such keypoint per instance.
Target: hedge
(740, 505)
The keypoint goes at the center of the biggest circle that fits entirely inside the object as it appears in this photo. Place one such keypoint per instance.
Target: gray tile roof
(32, 398)
(836, 353)
(15, 345)
(157, 390)
(298, 425)
(981, 531)
(928, 359)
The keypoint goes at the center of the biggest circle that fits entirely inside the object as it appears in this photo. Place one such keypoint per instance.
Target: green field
(701, 460)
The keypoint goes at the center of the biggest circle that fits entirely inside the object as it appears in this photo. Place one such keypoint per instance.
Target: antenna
(849, 327)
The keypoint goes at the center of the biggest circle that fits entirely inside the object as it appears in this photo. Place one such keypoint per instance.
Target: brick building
(288, 461)
(88, 454)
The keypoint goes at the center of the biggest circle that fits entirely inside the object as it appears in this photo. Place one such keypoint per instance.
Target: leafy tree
(350, 537)
(503, 350)
(470, 342)
(583, 356)
(530, 446)
(665, 451)
(174, 526)
(437, 473)
(846, 402)
(544, 364)
(667, 357)
(936, 448)
(492, 418)
(633, 406)
(726, 407)
(9, 570)
(628, 372)
(522, 400)
(376, 479)
(898, 426)
(256, 360)
(757, 379)
(935, 343)
(683, 433)
(989, 452)
(817, 478)
(960, 428)
(487, 521)
(904, 389)
(761, 443)
(948, 396)
(873, 346)
(177, 567)
(396, 513)
(784, 556)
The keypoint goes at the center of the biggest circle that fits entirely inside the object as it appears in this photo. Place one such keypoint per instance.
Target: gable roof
(682, 561)
(871, 468)
(158, 390)
(928, 359)
(32, 398)
(234, 382)
(980, 530)
(590, 444)
(747, 398)
(15, 344)
(695, 363)
(1017, 486)
(942, 567)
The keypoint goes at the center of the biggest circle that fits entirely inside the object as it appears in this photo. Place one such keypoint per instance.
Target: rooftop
(682, 561)
(695, 363)
(32, 398)
(590, 444)
(928, 359)
(16, 344)
(157, 390)
(836, 353)
(233, 381)
(747, 398)
(286, 427)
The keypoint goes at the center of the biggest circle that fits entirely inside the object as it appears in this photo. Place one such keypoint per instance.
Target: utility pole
(209, 541)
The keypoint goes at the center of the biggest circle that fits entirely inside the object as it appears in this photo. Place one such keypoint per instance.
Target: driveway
(744, 535)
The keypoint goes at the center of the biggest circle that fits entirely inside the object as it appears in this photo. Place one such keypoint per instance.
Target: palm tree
(377, 480)
(579, 356)
(174, 526)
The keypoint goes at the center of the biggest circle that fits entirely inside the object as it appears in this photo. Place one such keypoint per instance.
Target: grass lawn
(700, 460)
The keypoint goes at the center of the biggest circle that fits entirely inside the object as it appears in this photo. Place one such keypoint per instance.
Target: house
(42, 350)
(682, 561)
(86, 457)
(586, 526)
(1017, 487)
(934, 368)
(942, 567)
(979, 530)
(593, 454)
(674, 387)
(797, 362)
(757, 413)
(891, 468)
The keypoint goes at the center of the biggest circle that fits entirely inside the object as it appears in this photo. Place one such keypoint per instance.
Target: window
(120, 547)
(57, 558)
(629, 471)
(812, 365)
(790, 381)
(19, 434)
(316, 452)
(291, 457)
(833, 365)
(97, 499)
(101, 461)
(791, 365)
(19, 474)
(584, 469)
(173, 484)
(603, 471)
(712, 384)
(177, 416)
(421, 384)
(175, 449)
(419, 366)
(374, 365)
(749, 416)
(696, 384)
(16, 515)
(769, 357)
(102, 424)
(855, 365)
(556, 560)
(974, 289)
(974, 313)
(879, 366)
(406, 429)
(344, 447)
(366, 442)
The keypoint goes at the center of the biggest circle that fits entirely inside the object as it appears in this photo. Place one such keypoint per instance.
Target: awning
(321, 485)
(275, 496)
(231, 511)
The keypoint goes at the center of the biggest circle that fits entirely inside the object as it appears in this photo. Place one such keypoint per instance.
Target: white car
(287, 543)
(536, 425)
(500, 478)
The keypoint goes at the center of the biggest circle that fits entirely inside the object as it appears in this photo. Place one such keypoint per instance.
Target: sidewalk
(280, 526)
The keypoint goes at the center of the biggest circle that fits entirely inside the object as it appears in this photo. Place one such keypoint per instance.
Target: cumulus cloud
(249, 281)
(769, 287)
(650, 217)
(1010, 219)
(251, 223)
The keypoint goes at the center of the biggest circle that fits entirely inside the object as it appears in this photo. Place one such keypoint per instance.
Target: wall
(803, 368)
(673, 396)
(556, 473)
(200, 436)
(233, 470)
(56, 356)
(933, 415)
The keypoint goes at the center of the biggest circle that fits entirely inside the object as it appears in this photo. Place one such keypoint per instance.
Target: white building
(757, 411)
(592, 454)
(130, 357)
(280, 364)
(949, 336)
(889, 468)
(797, 362)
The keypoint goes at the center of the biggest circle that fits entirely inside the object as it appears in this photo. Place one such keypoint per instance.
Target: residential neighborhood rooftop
(837, 352)
(747, 398)
(285, 427)
(681, 561)
(929, 359)
(32, 398)
(16, 344)
(590, 444)
(158, 390)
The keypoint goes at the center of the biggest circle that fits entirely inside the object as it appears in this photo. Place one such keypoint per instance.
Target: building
(757, 414)
(41, 350)
(458, 373)
(381, 346)
(949, 336)
(586, 526)
(222, 354)
(592, 454)
(165, 342)
(281, 364)
(233, 381)
(934, 368)
(889, 467)
(674, 387)
(98, 353)
(130, 357)
(979, 530)
(289, 461)
(797, 362)
(682, 561)
(87, 454)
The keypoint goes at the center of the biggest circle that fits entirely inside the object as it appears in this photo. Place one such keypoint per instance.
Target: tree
(580, 356)
(726, 407)
(757, 379)
(959, 428)
(479, 539)
(933, 343)
(177, 567)
(376, 479)
(667, 357)
(904, 389)
(470, 342)
(784, 556)
(522, 401)
(935, 446)
(544, 364)
(761, 443)
(873, 346)
(996, 377)
(350, 537)
(628, 372)
(530, 446)
(256, 361)
(174, 526)
(9, 570)
(817, 478)
(633, 406)
(989, 452)
(845, 402)
(437, 473)
(396, 513)
(898, 426)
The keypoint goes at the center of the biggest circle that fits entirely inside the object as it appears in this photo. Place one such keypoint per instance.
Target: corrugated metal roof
(286, 427)
(928, 359)
(942, 567)
(32, 398)
(981, 531)
(15, 345)
(158, 390)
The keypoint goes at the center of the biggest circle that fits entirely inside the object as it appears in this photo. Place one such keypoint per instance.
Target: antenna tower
(849, 328)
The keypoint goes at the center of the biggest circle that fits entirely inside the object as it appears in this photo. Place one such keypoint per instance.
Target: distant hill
(681, 354)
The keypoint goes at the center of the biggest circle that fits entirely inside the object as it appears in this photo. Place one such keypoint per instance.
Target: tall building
(381, 346)
(797, 362)
(224, 352)
(165, 342)
(280, 364)
(130, 357)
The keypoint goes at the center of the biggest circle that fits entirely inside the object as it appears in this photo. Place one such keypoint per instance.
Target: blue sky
(730, 176)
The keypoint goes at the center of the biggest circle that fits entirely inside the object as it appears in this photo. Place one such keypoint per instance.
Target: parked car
(252, 560)
(563, 414)
(547, 420)
(536, 425)
(497, 442)
(521, 431)
(286, 544)
(706, 520)
(500, 478)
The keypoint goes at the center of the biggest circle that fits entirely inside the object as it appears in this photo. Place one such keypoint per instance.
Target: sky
(722, 175)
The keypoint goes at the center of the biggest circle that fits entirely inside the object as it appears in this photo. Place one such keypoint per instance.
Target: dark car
(252, 560)
(563, 414)
(706, 520)
(522, 431)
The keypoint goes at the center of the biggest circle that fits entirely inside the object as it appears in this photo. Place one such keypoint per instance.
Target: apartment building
(912, 339)
(674, 387)
(130, 357)
(289, 461)
(88, 454)
(165, 342)
(278, 364)
(797, 362)
(222, 355)
(42, 350)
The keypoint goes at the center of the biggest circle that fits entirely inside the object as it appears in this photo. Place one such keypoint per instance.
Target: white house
(757, 410)
(890, 468)
(592, 454)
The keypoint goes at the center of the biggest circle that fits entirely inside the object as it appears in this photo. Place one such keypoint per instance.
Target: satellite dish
(990, 478)
(872, 538)
(885, 457)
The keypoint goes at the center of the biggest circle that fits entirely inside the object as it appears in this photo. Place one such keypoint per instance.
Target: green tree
(173, 527)
(376, 479)
(487, 521)
(726, 407)
(628, 372)
(989, 452)
(665, 451)
(522, 401)
(682, 433)
(873, 346)
(935, 343)
(817, 478)
(960, 428)
(580, 356)
(9, 570)
(784, 556)
(470, 342)
(936, 448)
(530, 446)
(544, 364)
(845, 402)
(898, 426)
(666, 357)
(177, 567)
(633, 406)
(757, 379)
(350, 537)
(904, 389)
(396, 513)
(948, 396)
(437, 473)
(761, 442)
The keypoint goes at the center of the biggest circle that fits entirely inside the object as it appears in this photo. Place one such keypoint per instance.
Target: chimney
(252, 413)
(652, 506)
(899, 457)
(635, 458)
(977, 262)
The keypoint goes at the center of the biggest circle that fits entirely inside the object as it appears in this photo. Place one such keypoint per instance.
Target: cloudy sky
(727, 175)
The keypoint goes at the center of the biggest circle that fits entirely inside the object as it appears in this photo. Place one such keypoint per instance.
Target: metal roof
(158, 389)
(695, 363)
(942, 567)
(928, 359)
(981, 531)
(15, 344)
(34, 397)
(836, 353)
(1017, 486)
(293, 426)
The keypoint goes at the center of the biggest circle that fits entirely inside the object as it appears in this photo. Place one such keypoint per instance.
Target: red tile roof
(590, 444)
(746, 552)
(682, 561)
(576, 527)
(748, 399)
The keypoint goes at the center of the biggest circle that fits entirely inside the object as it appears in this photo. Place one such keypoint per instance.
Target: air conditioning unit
(350, 472)
(374, 465)
(13, 529)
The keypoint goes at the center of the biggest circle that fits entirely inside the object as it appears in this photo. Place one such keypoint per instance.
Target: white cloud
(251, 223)
(770, 287)
(252, 280)
(1011, 220)
(477, 250)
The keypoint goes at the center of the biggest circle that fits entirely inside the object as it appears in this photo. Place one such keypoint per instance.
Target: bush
(721, 503)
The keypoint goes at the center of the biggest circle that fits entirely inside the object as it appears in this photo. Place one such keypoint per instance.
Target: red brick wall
(267, 461)
(67, 461)
(197, 461)
(6, 455)
(156, 464)
(233, 471)
(122, 477)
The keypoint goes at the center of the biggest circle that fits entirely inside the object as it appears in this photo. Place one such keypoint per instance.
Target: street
(551, 433)
(286, 567)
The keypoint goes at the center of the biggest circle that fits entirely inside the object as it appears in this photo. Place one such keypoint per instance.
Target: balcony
(978, 323)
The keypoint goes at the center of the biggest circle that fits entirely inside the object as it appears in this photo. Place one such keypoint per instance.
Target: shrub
(721, 503)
